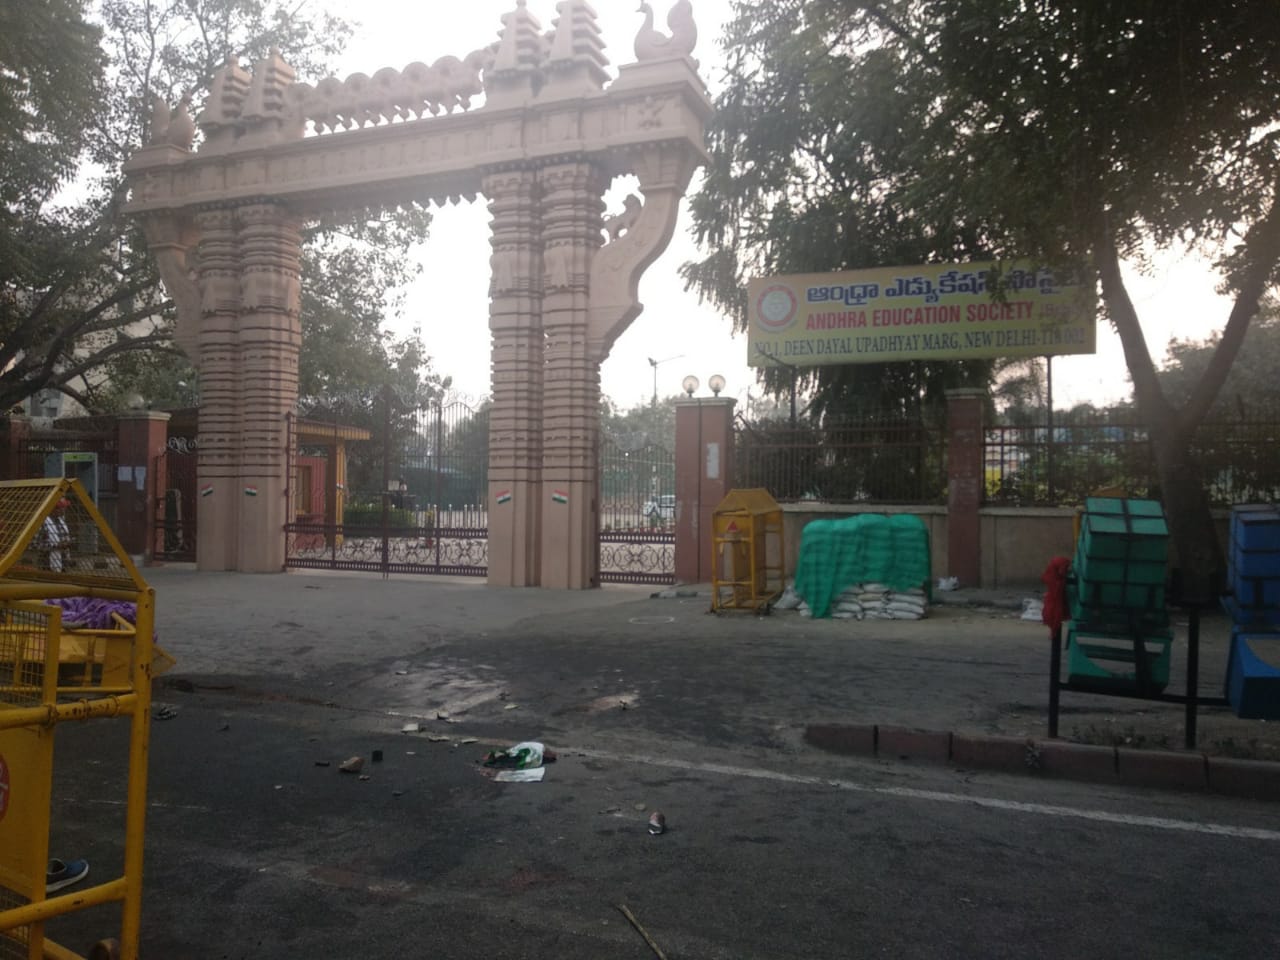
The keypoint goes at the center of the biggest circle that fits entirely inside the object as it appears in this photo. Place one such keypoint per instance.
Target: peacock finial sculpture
(653, 44)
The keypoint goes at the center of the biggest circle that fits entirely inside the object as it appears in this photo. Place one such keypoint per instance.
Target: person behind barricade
(55, 536)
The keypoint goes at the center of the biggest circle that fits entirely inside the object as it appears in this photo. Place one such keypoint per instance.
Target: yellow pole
(49, 714)
(136, 804)
(43, 910)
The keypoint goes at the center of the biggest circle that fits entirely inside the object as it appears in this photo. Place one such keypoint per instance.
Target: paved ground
(776, 850)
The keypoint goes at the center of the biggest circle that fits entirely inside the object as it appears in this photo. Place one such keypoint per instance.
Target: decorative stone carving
(619, 224)
(652, 44)
(575, 58)
(414, 92)
(222, 108)
(159, 125)
(181, 129)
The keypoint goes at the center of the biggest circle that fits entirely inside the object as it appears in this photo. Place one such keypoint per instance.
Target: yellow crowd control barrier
(56, 547)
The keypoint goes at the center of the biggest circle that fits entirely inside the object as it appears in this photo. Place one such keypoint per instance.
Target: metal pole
(386, 477)
(1193, 674)
(435, 513)
(1049, 411)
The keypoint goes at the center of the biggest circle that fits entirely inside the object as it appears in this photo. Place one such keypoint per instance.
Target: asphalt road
(774, 850)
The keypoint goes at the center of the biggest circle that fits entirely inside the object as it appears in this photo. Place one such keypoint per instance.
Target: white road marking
(995, 803)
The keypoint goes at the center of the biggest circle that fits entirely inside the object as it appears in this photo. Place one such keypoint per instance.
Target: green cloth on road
(868, 548)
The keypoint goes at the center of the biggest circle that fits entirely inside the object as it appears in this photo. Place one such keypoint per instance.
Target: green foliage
(1251, 388)
(90, 317)
(643, 424)
(1071, 132)
(370, 515)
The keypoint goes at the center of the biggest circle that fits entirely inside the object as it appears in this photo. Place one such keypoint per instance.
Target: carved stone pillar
(571, 225)
(270, 339)
(515, 417)
(217, 506)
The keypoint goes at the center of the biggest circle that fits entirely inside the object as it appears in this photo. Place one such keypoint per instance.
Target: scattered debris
(465, 740)
(522, 756)
(640, 806)
(521, 776)
(946, 584)
(1032, 609)
(411, 753)
(351, 765)
(631, 918)
(414, 727)
(364, 777)
(402, 673)
(163, 711)
(511, 706)
(437, 737)
(279, 786)
(322, 763)
(657, 823)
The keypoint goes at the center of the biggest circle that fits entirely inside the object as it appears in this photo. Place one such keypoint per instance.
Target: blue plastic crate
(1255, 527)
(1262, 619)
(1254, 563)
(1253, 675)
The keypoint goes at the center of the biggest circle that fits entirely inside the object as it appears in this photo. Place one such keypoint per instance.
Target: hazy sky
(450, 303)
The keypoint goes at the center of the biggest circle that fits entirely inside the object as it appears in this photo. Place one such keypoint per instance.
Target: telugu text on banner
(932, 312)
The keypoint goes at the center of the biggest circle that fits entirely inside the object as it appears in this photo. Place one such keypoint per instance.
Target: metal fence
(637, 514)
(882, 459)
(1238, 460)
(412, 494)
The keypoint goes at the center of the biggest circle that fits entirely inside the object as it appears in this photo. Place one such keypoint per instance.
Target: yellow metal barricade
(55, 546)
(747, 552)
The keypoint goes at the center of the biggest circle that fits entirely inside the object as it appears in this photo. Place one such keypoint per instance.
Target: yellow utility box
(746, 552)
(68, 651)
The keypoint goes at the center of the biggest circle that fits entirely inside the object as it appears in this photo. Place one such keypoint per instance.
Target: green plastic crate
(1132, 508)
(1108, 537)
(1105, 661)
(1115, 619)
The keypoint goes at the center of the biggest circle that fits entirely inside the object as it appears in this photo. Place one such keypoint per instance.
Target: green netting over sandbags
(868, 548)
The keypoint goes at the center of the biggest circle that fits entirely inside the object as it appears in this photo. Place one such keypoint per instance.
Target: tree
(1250, 390)
(645, 424)
(90, 315)
(1072, 132)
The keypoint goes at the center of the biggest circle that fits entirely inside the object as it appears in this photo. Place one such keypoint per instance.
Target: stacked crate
(1253, 571)
(1118, 611)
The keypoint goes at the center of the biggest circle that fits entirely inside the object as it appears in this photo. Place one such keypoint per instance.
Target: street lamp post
(656, 364)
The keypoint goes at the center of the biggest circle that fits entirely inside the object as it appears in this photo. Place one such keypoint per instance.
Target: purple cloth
(93, 612)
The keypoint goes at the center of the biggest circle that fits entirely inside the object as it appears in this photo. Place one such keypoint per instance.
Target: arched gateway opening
(223, 223)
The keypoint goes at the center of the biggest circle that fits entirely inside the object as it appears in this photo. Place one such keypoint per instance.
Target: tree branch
(1262, 246)
(1146, 386)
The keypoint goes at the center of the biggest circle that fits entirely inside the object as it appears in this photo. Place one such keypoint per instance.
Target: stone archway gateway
(223, 222)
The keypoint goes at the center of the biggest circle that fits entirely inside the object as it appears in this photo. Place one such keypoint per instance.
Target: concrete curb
(1060, 759)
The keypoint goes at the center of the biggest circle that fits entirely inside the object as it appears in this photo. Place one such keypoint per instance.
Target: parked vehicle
(661, 508)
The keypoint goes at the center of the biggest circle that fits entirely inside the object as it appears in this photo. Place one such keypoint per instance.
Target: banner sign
(942, 311)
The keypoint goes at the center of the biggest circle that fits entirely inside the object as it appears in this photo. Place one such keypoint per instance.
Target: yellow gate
(55, 547)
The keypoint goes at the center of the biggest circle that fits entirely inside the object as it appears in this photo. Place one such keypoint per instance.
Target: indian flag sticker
(206, 489)
(559, 496)
(504, 496)
(250, 491)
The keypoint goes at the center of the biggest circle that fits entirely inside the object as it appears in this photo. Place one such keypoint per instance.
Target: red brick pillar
(142, 435)
(15, 429)
(704, 474)
(964, 485)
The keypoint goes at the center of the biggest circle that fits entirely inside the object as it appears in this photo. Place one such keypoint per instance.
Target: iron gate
(637, 514)
(173, 526)
(403, 495)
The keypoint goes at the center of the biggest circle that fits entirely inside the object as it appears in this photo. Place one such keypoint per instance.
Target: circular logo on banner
(776, 307)
(4, 787)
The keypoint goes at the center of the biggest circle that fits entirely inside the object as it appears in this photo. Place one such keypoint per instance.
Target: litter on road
(532, 775)
(351, 765)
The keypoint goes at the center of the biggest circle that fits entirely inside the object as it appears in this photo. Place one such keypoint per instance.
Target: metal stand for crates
(1191, 699)
(54, 546)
